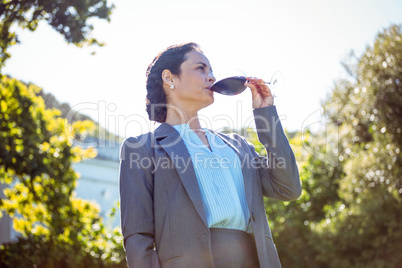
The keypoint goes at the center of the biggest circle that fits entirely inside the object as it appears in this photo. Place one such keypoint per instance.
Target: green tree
(66, 111)
(364, 229)
(349, 212)
(292, 222)
(36, 159)
(70, 18)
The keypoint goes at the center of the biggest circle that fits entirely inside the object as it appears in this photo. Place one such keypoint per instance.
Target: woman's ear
(167, 77)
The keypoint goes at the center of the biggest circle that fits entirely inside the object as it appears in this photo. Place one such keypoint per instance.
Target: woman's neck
(177, 116)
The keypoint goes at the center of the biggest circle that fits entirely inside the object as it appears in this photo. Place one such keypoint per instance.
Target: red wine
(230, 86)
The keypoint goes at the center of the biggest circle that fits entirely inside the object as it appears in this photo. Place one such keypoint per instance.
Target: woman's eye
(201, 68)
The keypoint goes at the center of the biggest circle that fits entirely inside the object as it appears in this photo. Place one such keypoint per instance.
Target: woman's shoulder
(143, 138)
(136, 143)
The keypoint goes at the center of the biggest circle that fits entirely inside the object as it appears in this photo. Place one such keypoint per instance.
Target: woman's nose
(211, 78)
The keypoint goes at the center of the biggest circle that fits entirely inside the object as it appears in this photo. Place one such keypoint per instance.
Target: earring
(171, 86)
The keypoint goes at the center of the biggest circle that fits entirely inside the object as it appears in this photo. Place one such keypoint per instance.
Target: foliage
(350, 212)
(36, 163)
(51, 102)
(292, 222)
(365, 225)
(72, 116)
(69, 18)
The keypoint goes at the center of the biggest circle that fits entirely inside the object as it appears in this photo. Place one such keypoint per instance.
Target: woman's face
(193, 85)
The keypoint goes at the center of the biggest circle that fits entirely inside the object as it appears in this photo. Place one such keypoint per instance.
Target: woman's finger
(262, 88)
(251, 83)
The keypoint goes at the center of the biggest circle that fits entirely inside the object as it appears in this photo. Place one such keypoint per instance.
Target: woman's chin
(211, 100)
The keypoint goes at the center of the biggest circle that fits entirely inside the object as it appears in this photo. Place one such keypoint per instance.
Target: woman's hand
(260, 92)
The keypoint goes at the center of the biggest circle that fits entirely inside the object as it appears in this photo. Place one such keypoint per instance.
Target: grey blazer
(162, 215)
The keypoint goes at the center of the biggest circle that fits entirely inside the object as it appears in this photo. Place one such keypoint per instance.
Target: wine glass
(234, 85)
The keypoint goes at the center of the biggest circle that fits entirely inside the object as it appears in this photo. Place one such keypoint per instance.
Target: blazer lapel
(245, 166)
(171, 142)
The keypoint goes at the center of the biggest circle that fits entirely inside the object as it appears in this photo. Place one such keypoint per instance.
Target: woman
(192, 197)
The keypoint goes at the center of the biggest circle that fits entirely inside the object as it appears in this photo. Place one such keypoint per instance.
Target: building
(99, 178)
(98, 182)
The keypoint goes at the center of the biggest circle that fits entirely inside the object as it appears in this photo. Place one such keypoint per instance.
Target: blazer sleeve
(278, 171)
(136, 204)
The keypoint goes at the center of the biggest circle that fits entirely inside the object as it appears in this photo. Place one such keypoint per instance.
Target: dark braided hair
(170, 59)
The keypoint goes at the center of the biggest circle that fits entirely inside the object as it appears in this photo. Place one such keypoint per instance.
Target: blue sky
(305, 40)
